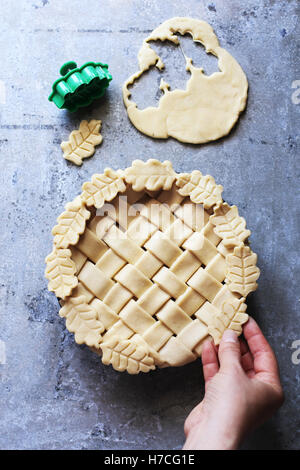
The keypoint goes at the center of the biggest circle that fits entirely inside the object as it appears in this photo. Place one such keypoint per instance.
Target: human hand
(242, 390)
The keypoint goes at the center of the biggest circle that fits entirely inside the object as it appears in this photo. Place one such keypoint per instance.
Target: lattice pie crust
(148, 264)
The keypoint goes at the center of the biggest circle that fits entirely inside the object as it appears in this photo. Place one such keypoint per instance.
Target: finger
(244, 346)
(193, 418)
(210, 361)
(247, 359)
(229, 350)
(264, 360)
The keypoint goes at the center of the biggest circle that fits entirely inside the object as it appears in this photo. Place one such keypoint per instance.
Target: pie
(209, 106)
(148, 264)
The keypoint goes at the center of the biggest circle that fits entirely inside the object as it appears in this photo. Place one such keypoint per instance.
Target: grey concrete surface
(55, 394)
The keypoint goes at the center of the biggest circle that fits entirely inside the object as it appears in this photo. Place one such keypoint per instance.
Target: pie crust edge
(134, 354)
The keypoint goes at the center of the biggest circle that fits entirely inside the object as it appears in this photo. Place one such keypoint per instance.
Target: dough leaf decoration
(71, 224)
(201, 189)
(82, 319)
(229, 225)
(60, 272)
(232, 317)
(82, 142)
(103, 187)
(242, 270)
(126, 354)
(151, 175)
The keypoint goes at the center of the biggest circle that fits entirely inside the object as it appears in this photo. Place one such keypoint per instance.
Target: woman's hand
(242, 390)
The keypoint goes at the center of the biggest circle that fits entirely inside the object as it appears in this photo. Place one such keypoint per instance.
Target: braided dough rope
(148, 292)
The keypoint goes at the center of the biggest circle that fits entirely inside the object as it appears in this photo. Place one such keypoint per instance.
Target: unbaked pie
(148, 264)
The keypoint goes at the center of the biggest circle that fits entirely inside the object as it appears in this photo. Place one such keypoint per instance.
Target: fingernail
(230, 336)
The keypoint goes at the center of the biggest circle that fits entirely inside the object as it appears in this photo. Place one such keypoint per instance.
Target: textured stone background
(55, 394)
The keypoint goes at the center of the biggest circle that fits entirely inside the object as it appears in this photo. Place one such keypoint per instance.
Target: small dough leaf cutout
(71, 224)
(82, 319)
(201, 189)
(126, 354)
(229, 225)
(232, 317)
(103, 187)
(82, 142)
(242, 270)
(151, 175)
(60, 272)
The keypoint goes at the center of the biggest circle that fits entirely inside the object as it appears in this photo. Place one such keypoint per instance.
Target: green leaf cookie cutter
(79, 86)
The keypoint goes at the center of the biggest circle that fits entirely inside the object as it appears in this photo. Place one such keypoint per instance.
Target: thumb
(229, 350)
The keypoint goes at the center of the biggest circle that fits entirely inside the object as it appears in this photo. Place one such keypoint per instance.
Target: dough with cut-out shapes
(209, 106)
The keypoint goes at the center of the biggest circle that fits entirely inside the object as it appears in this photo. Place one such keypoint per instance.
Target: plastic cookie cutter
(79, 86)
